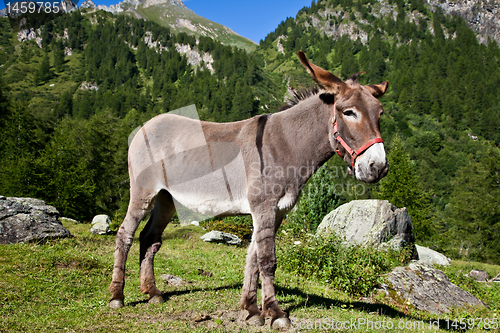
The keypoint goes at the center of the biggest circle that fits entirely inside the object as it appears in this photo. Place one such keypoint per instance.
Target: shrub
(353, 269)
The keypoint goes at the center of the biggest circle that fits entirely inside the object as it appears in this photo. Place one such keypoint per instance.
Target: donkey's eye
(349, 113)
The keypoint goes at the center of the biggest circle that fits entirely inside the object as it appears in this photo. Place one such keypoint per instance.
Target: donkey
(256, 166)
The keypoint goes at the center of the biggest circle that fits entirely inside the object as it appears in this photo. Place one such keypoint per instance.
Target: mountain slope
(176, 16)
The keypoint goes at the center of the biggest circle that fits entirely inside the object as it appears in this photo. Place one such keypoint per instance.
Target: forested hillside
(65, 116)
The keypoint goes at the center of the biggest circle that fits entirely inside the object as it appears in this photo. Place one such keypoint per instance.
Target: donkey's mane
(295, 96)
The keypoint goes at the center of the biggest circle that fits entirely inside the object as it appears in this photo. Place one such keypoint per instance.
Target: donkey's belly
(217, 193)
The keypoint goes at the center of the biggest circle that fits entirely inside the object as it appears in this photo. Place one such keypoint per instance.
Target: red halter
(359, 151)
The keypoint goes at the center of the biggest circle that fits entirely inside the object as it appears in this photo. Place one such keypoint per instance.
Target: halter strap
(357, 152)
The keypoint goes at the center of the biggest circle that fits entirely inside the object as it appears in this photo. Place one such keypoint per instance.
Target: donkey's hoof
(281, 323)
(158, 299)
(256, 320)
(116, 304)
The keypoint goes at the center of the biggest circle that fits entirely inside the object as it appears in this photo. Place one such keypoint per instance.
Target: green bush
(352, 269)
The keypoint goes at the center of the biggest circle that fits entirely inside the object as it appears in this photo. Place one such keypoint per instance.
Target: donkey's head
(355, 130)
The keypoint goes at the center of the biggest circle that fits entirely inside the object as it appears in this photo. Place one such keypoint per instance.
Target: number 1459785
(32, 7)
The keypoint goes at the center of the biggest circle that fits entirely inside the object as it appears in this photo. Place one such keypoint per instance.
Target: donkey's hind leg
(150, 239)
(140, 200)
(250, 284)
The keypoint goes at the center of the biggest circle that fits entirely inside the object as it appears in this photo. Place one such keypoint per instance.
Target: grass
(63, 285)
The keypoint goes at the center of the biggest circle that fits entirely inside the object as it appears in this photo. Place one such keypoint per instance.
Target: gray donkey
(256, 166)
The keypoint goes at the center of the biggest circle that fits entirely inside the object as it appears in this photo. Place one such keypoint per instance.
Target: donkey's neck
(305, 129)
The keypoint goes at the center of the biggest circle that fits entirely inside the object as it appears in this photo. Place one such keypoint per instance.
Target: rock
(370, 223)
(88, 4)
(100, 225)
(479, 275)
(195, 223)
(67, 219)
(482, 16)
(221, 237)
(25, 220)
(431, 257)
(67, 6)
(172, 280)
(426, 288)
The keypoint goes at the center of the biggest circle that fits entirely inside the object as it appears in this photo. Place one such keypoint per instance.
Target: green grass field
(62, 285)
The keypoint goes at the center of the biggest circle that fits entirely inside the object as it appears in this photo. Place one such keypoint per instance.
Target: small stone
(479, 275)
(172, 280)
(221, 237)
(67, 219)
(195, 223)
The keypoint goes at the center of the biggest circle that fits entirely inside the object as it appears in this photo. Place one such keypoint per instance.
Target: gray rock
(479, 275)
(25, 220)
(370, 223)
(67, 219)
(172, 280)
(195, 223)
(88, 4)
(221, 237)
(426, 288)
(431, 257)
(482, 16)
(100, 225)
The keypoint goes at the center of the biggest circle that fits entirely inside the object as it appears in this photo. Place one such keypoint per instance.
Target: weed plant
(353, 269)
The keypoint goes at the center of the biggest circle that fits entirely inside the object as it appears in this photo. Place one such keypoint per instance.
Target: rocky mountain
(88, 4)
(482, 16)
(176, 16)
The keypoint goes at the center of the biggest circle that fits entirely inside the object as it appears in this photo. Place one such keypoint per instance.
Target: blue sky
(253, 19)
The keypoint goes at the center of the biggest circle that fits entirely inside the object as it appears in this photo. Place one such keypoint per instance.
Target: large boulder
(426, 288)
(431, 257)
(370, 223)
(25, 220)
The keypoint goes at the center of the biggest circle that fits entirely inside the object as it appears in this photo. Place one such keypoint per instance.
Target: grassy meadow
(62, 285)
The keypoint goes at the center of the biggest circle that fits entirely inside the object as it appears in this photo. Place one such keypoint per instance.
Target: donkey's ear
(324, 78)
(378, 90)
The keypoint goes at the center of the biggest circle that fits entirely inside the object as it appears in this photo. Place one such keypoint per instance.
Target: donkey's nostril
(374, 169)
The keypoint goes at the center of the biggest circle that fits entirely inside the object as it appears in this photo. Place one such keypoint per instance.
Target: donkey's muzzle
(372, 166)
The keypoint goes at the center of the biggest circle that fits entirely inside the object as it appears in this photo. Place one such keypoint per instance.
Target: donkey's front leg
(264, 236)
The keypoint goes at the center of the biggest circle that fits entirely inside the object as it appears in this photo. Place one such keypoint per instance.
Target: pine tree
(59, 57)
(43, 74)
